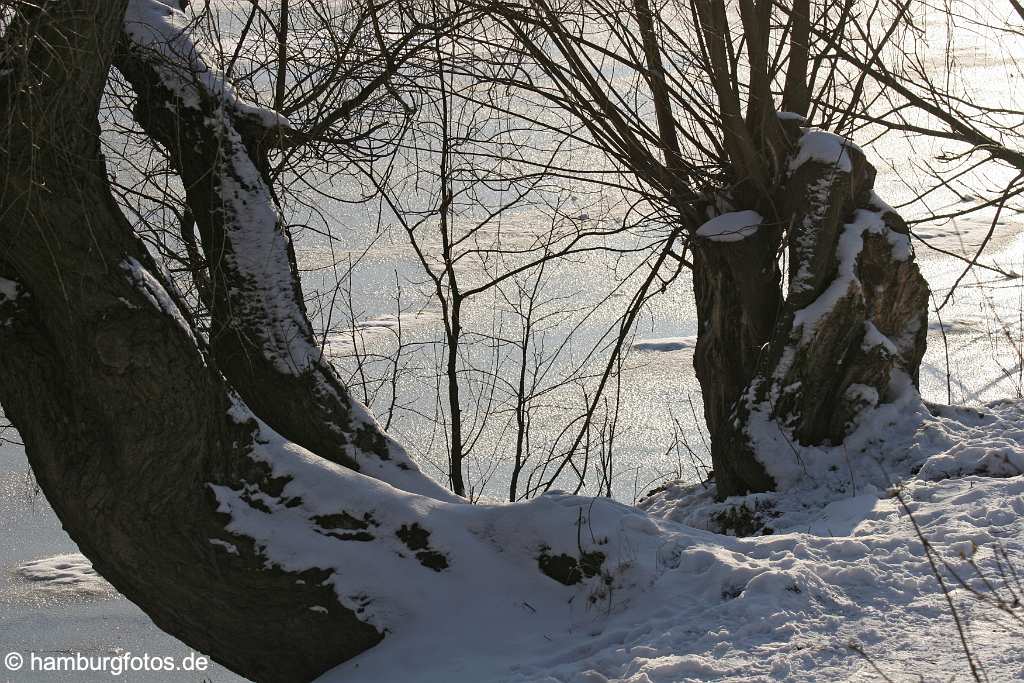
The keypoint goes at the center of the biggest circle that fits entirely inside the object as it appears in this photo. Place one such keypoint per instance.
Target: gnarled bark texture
(260, 333)
(737, 287)
(855, 313)
(247, 546)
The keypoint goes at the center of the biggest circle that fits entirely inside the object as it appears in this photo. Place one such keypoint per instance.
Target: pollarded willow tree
(232, 489)
(807, 294)
(235, 490)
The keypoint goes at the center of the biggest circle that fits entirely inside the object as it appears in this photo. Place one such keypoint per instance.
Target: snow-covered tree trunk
(244, 544)
(852, 326)
(738, 292)
(261, 337)
(126, 425)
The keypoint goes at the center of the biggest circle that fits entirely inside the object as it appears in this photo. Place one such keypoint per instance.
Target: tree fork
(123, 420)
(260, 333)
(855, 315)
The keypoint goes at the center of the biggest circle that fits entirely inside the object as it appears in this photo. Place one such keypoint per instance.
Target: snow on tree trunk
(242, 543)
(261, 336)
(853, 323)
(124, 423)
(737, 287)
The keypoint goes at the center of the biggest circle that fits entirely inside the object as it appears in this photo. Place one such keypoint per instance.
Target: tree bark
(248, 547)
(855, 314)
(260, 333)
(737, 287)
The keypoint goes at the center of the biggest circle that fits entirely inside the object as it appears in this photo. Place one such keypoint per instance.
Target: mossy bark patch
(344, 526)
(569, 570)
(417, 539)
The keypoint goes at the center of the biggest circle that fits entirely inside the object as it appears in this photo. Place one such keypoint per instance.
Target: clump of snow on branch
(851, 242)
(731, 227)
(151, 288)
(161, 28)
(824, 147)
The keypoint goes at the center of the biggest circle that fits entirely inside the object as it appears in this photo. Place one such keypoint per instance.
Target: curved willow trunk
(260, 333)
(247, 546)
(801, 369)
(126, 425)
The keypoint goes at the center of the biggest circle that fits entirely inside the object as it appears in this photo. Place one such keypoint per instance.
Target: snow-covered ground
(839, 571)
(838, 587)
(842, 567)
(842, 570)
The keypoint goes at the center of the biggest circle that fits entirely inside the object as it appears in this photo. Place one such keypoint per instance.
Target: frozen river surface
(59, 606)
(51, 603)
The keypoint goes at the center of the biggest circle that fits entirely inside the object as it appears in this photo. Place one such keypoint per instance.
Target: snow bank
(841, 565)
(731, 227)
(991, 445)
